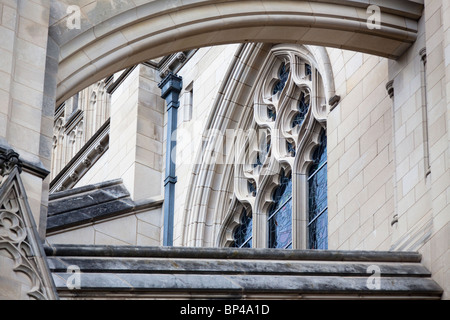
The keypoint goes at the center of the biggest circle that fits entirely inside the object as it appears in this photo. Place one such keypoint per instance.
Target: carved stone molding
(19, 237)
(82, 161)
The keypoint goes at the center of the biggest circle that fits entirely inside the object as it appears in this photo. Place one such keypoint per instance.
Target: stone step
(78, 250)
(219, 266)
(162, 272)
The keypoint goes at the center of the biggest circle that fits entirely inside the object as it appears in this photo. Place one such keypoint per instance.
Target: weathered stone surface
(83, 200)
(156, 271)
(91, 203)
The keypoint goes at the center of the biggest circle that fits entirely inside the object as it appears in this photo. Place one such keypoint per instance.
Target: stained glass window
(251, 185)
(280, 215)
(291, 148)
(243, 233)
(308, 71)
(318, 194)
(303, 107)
(271, 114)
(283, 75)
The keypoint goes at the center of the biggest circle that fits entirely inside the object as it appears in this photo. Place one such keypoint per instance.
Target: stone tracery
(290, 110)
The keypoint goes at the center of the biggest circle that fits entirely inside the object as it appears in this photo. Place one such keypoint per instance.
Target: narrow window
(318, 195)
(271, 115)
(303, 107)
(280, 215)
(308, 72)
(243, 233)
(283, 75)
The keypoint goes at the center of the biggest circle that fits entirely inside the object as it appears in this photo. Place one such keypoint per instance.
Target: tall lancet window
(280, 215)
(318, 205)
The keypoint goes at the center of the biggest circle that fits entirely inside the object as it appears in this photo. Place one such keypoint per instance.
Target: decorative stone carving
(8, 160)
(181, 57)
(18, 234)
(289, 112)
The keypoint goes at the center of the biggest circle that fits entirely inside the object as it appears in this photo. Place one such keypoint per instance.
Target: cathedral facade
(244, 149)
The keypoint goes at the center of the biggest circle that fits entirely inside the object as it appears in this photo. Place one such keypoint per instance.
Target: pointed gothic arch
(112, 36)
(238, 102)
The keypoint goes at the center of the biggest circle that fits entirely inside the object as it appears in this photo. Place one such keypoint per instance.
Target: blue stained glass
(283, 75)
(243, 233)
(271, 114)
(280, 227)
(320, 154)
(303, 107)
(318, 194)
(280, 215)
(318, 232)
(291, 148)
(251, 186)
(308, 71)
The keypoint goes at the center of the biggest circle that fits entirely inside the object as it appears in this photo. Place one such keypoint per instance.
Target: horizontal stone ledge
(98, 213)
(229, 253)
(214, 266)
(247, 283)
(85, 200)
(83, 189)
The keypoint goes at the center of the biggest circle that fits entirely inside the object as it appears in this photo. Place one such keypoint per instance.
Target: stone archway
(114, 34)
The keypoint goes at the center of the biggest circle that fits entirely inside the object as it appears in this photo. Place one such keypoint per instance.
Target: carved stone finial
(8, 160)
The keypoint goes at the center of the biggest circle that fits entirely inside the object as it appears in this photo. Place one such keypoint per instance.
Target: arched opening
(110, 37)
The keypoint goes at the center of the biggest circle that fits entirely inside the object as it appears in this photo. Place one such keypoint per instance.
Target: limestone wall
(25, 121)
(138, 229)
(202, 77)
(360, 154)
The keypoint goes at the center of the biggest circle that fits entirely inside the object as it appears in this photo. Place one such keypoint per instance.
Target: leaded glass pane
(320, 154)
(282, 193)
(283, 75)
(243, 233)
(308, 71)
(280, 215)
(271, 114)
(280, 227)
(318, 194)
(318, 232)
(303, 107)
(251, 187)
(291, 148)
